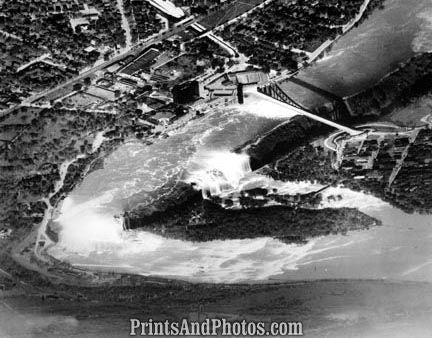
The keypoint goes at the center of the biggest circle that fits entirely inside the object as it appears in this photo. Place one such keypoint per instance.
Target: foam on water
(218, 171)
(329, 56)
(255, 180)
(91, 235)
(87, 226)
(351, 199)
(216, 261)
(93, 238)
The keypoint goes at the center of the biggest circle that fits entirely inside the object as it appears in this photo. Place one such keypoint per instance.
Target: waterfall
(218, 172)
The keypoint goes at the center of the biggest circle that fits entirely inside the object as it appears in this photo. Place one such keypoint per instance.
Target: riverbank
(281, 140)
(271, 147)
(31, 249)
(409, 81)
(412, 80)
(273, 144)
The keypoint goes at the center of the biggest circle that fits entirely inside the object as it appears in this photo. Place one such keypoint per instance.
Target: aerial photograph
(236, 168)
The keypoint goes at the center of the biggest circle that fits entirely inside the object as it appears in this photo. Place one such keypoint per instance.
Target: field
(58, 93)
(100, 92)
(181, 69)
(82, 100)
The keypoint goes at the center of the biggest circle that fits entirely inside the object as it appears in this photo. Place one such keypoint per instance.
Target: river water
(369, 52)
(90, 233)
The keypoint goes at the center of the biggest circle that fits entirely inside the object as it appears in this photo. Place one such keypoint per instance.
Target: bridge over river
(275, 92)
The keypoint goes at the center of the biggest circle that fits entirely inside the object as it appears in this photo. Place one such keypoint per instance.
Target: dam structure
(275, 92)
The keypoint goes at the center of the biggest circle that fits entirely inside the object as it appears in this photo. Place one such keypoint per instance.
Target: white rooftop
(167, 7)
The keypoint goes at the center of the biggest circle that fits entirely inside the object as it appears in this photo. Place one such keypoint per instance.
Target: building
(240, 96)
(162, 118)
(167, 7)
(90, 12)
(186, 92)
(223, 92)
(251, 77)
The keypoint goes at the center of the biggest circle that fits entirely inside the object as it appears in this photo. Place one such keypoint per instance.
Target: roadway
(135, 50)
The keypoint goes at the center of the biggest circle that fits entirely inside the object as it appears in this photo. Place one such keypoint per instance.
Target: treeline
(411, 80)
(282, 140)
(304, 163)
(197, 219)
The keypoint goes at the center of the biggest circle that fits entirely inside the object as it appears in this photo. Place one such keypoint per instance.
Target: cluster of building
(64, 36)
(143, 17)
(395, 165)
(135, 85)
(375, 156)
(228, 88)
(44, 42)
(413, 183)
(280, 34)
(199, 7)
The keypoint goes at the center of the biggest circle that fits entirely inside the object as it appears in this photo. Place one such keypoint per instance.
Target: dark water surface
(370, 51)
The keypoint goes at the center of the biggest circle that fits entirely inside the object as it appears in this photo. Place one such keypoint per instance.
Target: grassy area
(229, 12)
(202, 54)
(81, 100)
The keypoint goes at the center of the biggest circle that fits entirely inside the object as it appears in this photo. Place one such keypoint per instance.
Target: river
(90, 231)
(367, 53)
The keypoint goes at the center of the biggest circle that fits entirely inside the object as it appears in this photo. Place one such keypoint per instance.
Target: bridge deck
(272, 91)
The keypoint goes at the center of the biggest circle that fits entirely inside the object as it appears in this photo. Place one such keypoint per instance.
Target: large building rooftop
(167, 7)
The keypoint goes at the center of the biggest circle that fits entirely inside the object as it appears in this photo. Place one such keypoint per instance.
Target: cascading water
(91, 237)
(218, 172)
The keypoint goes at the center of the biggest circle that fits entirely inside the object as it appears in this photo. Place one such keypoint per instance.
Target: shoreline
(58, 207)
(181, 125)
(106, 146)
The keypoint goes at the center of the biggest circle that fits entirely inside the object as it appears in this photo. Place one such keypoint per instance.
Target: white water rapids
(91, 236)
(217, 172)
